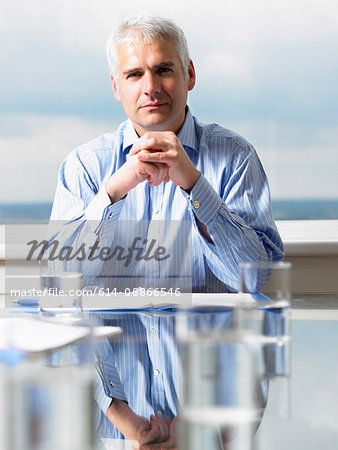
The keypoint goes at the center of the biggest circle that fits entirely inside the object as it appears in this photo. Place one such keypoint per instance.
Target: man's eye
(163, 69)
(134, 75)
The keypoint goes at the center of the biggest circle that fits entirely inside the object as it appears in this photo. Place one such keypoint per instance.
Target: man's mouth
(153, 105)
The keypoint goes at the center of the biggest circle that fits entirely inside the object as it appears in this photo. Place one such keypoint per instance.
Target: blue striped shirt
(231, 198)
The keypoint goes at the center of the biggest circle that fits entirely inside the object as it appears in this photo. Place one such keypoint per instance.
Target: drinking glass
(219, 406)
(269, 286)
(60, 289)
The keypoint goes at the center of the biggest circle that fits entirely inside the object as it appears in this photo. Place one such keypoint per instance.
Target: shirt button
(111, 383)
(196, 204)
(153, 331)
(158, 413)
(110, 215)
(156, 210)
(156, 372)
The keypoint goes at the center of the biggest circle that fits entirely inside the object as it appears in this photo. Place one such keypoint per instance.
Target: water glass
(59, 289)
(269, 285)
(219, 391)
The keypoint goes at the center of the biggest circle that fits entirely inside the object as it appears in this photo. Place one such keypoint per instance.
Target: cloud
(32, 156)
(224, 66)
(265, 69)
(300, 161)
(309, 173)
(30, 160)
(262, 57)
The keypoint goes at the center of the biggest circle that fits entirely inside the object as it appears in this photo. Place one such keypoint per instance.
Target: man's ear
(191, 76)
(115, 89)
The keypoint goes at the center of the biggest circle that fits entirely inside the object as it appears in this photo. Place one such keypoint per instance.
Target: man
(162, 164)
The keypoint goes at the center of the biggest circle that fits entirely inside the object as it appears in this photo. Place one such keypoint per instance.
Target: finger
(162, 176)
(157, 157)
(145, 142)
(162, 425)
(152, 435)
(160, 446)
(165, 429)
(150, 142)
(158, 431)
(149, 171)
(156, 173)
(162, 171)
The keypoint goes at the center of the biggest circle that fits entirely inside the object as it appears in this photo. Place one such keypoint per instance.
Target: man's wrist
(114, 194)
(116, 408)
(192, 181)
(126, 420)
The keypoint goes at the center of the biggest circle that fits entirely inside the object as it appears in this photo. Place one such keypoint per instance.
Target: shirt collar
(186, 134)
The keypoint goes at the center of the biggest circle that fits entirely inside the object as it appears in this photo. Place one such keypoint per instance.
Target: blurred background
(265, 69)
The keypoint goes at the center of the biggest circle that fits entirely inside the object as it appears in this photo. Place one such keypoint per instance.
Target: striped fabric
(146, 359)
(231, 197)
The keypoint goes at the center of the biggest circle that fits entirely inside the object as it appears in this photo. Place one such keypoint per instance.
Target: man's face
(152, 85)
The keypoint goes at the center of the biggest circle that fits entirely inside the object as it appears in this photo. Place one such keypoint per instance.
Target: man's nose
(151, 83)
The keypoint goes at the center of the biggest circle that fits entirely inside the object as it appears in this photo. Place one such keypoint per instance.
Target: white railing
(310, 245)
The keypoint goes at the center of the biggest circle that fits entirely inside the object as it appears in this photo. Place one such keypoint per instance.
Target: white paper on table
(101, 332)
(31, 335)
(34, 335)
(124, 301)
(222, 299)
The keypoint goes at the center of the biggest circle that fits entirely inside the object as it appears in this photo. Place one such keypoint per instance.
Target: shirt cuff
(205, 202)
(104, 396)
(108, 385)
(101, 210)
(96, 208)
(114, 210)
(102, 400)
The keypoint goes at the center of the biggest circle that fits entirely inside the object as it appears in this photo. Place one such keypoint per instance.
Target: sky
(266, 69)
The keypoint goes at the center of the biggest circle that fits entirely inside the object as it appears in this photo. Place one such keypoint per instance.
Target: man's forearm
(136, 427)
(120, 415)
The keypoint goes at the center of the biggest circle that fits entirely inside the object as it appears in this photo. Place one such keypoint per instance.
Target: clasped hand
(153, 434)
(163, 147)
(155, 157)
(166, 435)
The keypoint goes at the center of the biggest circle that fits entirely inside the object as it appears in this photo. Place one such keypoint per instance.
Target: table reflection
(214, 377)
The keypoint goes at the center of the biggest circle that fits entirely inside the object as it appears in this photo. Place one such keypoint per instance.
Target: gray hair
(146, 27)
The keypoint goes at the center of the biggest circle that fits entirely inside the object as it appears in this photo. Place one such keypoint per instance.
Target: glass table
(313, 419)
(312, 422)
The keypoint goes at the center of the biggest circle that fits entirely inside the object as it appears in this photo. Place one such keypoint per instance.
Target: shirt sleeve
(107, 384)
(79, 210)
(239, 219)
(77, 195)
